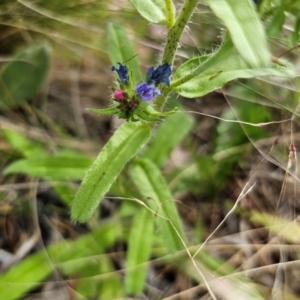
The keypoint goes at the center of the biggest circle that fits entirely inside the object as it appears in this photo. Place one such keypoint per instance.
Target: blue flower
(159, 75)
(122, 73)
(146, 92)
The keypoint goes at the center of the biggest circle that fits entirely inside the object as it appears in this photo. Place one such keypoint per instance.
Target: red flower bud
(119, 95)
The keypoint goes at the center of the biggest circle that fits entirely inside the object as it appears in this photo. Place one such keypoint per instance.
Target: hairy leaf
(196, 78)
(121, 49)
(124, 144)
(153, 187)
(154, 11)
(245, 29)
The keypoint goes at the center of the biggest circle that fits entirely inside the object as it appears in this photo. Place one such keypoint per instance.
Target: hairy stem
(176, 31)
(170, 13)
(173, 38)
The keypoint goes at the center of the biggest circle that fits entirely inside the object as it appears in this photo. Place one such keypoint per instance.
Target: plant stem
(170, 13)
(176, 31)
(173, 38)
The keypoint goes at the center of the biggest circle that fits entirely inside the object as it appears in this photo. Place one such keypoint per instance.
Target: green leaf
(25, 276)
(24, 145)
(151, 184)
(139, 250)
(274, 28)
(152, 10)
(21, 78)
(175, 128)
(120, 49)
(124, 144)
(195, 79)
(69, 256)
(286, 229)
(245, 29)
(52, 167)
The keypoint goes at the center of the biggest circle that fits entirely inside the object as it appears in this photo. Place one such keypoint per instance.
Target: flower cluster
(129, 96)
(147, 90)
(122, 73)
(131, 101)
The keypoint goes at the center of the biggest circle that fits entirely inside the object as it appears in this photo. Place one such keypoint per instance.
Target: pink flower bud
(119, 95)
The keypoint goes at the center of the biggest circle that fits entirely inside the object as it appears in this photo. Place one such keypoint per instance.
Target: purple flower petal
(159, 75)
(122, 72)
(146, 92)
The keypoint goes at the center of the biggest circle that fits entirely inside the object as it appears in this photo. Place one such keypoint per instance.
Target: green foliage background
(153, 233)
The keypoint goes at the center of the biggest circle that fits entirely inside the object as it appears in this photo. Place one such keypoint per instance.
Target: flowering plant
(141, 103)
(130, 101)
(150, 226)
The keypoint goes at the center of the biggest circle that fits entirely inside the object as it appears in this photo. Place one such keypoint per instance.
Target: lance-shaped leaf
(245, 28)
(139, 250)
(196, 78)
(52, 167)
(154, 11)
(70, 256)
(122, 146)
(151, 184)
(22, 144)
(21, 78)
(25, 276)
(121, 49)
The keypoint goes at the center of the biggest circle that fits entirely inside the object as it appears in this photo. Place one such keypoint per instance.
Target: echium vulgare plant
(130, 99)
(244, 53)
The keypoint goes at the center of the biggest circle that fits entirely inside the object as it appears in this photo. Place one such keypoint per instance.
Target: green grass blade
(70, 256)
(124, 144)
(139, 250)
(25, 276)
(22, 144)
(52, 167)
(175, 127)
(224, 66)
(286, 229)
(245, 29)
(21, 78)
(153, 187)
(121, 49)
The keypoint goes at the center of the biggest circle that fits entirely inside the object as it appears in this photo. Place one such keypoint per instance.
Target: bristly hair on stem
(173, 38)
